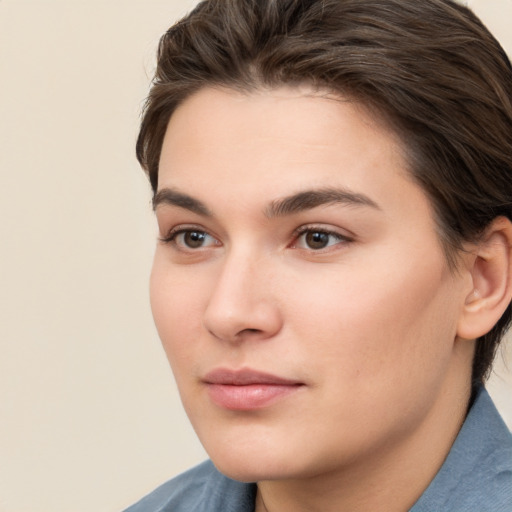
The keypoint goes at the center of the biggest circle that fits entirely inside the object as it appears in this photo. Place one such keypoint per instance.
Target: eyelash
(300, 232)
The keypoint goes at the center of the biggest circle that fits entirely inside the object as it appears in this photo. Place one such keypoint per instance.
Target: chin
(249, 473)
(261, 464)
(240, 474)
(251, 467)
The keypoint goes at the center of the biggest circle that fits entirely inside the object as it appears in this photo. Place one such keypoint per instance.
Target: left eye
(316, 239)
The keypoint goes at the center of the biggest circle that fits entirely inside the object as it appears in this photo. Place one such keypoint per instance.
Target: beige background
(89, 417)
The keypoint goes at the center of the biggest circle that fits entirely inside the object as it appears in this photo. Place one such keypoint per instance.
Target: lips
(246, 389)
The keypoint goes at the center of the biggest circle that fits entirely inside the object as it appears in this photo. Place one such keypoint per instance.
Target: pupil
(194, 239)
(317, 240)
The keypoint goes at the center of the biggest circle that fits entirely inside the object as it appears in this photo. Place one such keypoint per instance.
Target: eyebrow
(174, 198)
(310, 199)
(295, 203)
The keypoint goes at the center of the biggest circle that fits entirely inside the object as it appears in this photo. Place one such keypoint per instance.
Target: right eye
(190, 239)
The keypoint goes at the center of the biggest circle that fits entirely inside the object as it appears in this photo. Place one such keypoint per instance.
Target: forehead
(218, 130)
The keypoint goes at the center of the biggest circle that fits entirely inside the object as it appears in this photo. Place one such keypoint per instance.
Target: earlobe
(491, 274)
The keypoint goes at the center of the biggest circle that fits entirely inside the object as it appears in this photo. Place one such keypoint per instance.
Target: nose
(242, 304)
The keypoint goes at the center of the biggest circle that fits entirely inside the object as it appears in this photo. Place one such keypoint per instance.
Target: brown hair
(430, 67)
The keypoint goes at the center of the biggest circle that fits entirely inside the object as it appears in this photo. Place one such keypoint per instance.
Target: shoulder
(477, 474)
(202, 489)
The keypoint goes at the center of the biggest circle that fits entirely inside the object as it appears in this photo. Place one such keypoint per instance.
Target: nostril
(248, 332)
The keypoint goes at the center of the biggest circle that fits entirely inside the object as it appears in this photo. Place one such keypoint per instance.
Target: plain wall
(89, 416)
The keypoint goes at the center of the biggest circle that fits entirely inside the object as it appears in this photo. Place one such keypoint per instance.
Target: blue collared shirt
(475, 477)
(477, 474)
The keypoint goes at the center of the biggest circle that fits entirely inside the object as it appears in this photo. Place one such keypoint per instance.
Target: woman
(332, 184)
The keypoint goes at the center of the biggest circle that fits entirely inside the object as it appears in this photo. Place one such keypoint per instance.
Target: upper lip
(245, 377)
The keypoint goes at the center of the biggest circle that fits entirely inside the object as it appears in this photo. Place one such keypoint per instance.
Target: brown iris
(194, 239)
(316, 239)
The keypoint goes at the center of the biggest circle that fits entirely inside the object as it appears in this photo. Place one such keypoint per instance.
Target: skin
(367, 324)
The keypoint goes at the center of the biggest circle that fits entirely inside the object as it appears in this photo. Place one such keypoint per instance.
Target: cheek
(380, 351)
(176, 304)
(379, 325)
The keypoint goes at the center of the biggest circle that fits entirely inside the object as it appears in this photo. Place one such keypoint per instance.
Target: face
(299, 288)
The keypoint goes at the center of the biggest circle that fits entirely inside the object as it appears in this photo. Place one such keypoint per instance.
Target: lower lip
(249, 397)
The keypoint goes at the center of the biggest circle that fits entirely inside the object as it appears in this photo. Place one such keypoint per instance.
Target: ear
(491, 274)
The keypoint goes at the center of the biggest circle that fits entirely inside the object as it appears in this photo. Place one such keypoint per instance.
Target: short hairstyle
(429, 68)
